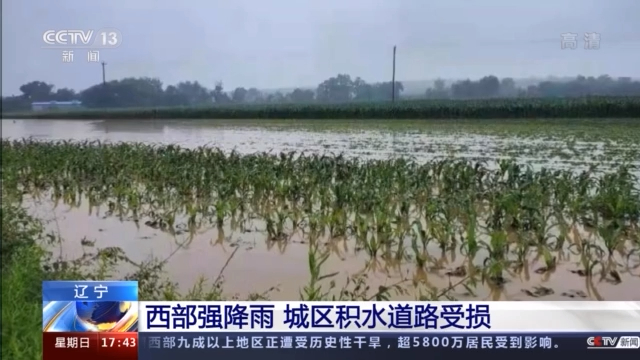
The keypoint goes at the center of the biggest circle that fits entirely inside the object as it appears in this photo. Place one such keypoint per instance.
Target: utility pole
(104, 78)
(393, 77)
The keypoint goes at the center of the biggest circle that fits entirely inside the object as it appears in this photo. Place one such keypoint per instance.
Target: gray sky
(286, 43)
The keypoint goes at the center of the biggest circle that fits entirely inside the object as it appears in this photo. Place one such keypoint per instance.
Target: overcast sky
(287, 43)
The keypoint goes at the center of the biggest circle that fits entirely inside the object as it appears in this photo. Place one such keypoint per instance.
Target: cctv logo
(613, 342)
(67, 37)
(105, 38)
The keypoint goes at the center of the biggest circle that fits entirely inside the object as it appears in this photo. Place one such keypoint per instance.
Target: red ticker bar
(118, 345)
(89, 346)
(69, 345)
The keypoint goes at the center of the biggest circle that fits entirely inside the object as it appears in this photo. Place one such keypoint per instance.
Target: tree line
(492, 87)
(150, 92)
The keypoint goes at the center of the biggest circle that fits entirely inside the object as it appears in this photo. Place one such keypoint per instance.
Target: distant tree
(100, 96)
(302, 96)
(187, 94)
(383, 91)
(464, 89)
(219, 95)
(508, 87)
(362, 90)
(253, 95)
(275, 98)
(15, 104)
(174, 97)
(439, 90)
(149, 92)
(336, 89)
(65, 94)
(488, 86)
(239, 95)
(128, 92)
(37, 91)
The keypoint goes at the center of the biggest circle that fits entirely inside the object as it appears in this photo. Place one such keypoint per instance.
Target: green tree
(302, 96)
(64, 94)
(239, 95)
(439, 90)
(275, 98)
(187, 93)
(336, 89)
(508, 87)
(488, 86)
(254, 95)
(219, 95)
(37, 91)
(362, 90)
(383, 91)
(128, 92)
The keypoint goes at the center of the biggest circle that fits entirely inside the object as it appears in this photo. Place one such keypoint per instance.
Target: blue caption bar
(379, 346)
(302, 316)
(90, 291)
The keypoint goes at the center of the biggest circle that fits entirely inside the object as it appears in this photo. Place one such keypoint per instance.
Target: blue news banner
(315, 335)
(371, 346)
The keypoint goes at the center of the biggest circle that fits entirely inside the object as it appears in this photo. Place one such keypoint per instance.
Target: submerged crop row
(618, 107)
(500, 220)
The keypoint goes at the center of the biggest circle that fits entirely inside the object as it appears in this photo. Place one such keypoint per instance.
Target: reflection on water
(128, 126)
(421, 144)
(359, 141)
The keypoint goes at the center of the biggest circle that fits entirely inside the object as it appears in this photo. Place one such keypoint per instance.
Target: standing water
(258, 265)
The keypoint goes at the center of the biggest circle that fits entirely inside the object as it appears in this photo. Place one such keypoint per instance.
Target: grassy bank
(596, 107)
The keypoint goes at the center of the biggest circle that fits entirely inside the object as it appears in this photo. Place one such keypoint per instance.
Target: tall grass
(593, 107)
(22, 274)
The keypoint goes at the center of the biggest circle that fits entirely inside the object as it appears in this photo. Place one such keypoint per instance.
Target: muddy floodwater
(260, 265)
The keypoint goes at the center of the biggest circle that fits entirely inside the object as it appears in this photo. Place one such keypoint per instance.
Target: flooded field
(564, 145)
(426, 223)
